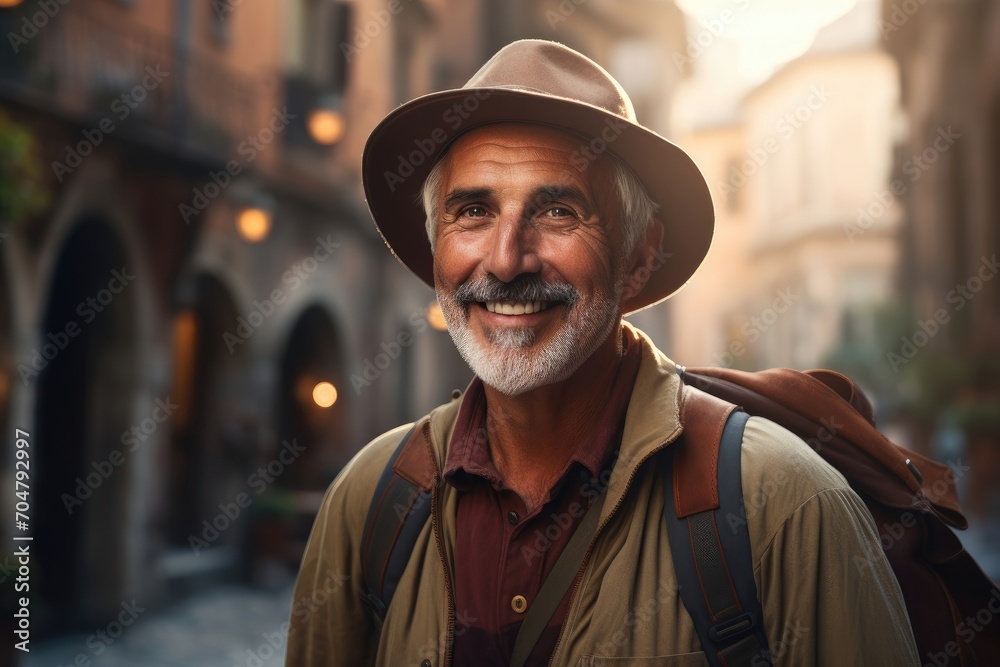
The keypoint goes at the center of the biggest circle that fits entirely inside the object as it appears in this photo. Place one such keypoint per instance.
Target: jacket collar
(652, 421)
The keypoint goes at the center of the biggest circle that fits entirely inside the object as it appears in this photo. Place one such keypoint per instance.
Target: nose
(511, 251)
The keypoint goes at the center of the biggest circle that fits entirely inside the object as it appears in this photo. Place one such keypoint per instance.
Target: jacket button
(512, 518)
(519, 604)
(425, 663)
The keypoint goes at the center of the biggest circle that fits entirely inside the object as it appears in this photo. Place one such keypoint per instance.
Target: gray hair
(637, 207)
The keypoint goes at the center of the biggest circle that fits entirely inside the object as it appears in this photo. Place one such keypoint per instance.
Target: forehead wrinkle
(520, 158)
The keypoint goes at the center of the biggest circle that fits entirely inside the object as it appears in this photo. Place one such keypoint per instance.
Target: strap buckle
(376, 608)
(732, 628)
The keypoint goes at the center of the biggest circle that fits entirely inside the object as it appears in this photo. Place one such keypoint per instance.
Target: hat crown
(549, 67)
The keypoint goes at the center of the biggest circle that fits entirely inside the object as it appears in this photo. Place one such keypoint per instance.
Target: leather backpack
(909, 495)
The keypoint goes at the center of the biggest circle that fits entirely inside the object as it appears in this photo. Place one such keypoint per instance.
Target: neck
(533, 435)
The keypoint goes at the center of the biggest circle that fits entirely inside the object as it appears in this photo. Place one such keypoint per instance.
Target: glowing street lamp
(324, 394)
(253, 223)
(326, 123)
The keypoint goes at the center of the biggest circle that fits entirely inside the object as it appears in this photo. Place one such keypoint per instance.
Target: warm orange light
(324, 394)
(254, 224)
(436, 317)
(185, 342)
(326, 127)
(9, 3)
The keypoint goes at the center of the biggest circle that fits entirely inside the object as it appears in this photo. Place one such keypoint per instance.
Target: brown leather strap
(823, 412)
(696, 465)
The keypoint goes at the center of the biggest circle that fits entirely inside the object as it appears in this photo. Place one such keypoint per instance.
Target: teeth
(516, 308)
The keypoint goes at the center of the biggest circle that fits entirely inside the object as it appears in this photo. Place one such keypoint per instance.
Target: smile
(517, 307)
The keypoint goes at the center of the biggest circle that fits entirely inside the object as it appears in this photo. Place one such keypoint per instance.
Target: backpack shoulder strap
(707, 529)
(399, 510)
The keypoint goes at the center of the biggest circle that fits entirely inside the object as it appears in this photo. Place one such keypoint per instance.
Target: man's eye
(559, 212)
(474, 212)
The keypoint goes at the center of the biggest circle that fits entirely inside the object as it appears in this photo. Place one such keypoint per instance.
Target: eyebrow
(540, 196)
(546, 194)
(461, 195)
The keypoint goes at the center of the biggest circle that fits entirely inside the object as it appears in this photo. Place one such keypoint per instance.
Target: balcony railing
(152, 86)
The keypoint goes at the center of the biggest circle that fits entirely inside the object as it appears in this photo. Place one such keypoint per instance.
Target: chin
(513, 363)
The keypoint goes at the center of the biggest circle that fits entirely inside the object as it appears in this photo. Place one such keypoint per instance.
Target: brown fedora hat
(542, 82)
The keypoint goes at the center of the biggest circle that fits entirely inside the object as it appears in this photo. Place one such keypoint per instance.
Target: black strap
(397, 514)
(714, 565)
(560, 578)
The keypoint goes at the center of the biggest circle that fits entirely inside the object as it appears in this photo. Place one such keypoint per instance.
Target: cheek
(455, 259)
(582, 261)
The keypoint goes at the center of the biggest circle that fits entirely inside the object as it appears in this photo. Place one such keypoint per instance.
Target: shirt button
(519, 604)
(512, 518)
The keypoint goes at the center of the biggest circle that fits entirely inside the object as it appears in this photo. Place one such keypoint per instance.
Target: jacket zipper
(597, 534)
(439, 538)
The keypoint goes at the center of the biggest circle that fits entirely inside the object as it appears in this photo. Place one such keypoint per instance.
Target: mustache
(528, 287)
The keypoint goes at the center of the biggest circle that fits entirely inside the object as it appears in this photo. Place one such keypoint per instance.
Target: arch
(215, 434)
(313, 353)
(84, 367)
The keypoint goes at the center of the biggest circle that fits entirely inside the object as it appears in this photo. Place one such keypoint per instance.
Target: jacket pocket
(680, 660)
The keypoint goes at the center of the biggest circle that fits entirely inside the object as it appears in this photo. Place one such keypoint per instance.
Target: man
(549, 212)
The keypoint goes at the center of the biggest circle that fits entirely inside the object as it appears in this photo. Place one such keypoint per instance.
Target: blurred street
(221, 627)
(200, 326)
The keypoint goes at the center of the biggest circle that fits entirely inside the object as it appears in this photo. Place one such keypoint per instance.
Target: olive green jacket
(828, 594)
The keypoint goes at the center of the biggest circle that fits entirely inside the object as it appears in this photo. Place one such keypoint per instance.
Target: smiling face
(528, 266)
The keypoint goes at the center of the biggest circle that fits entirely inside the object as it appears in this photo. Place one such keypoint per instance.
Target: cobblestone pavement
(228, 626)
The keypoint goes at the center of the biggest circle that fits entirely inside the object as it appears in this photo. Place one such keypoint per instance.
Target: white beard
(512, 363)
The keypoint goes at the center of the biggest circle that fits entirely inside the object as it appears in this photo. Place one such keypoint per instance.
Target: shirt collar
(469, 456)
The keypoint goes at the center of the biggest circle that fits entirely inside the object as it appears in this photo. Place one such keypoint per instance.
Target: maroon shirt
(504, 551)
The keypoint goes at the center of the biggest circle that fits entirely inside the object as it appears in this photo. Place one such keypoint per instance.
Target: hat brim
(403, 148)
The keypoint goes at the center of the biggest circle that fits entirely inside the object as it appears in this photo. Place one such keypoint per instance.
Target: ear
(642, 261)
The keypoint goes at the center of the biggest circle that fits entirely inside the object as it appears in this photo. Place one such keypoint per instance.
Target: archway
(310, 447)
(85, 369)
(214, 439)
(312, 356)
